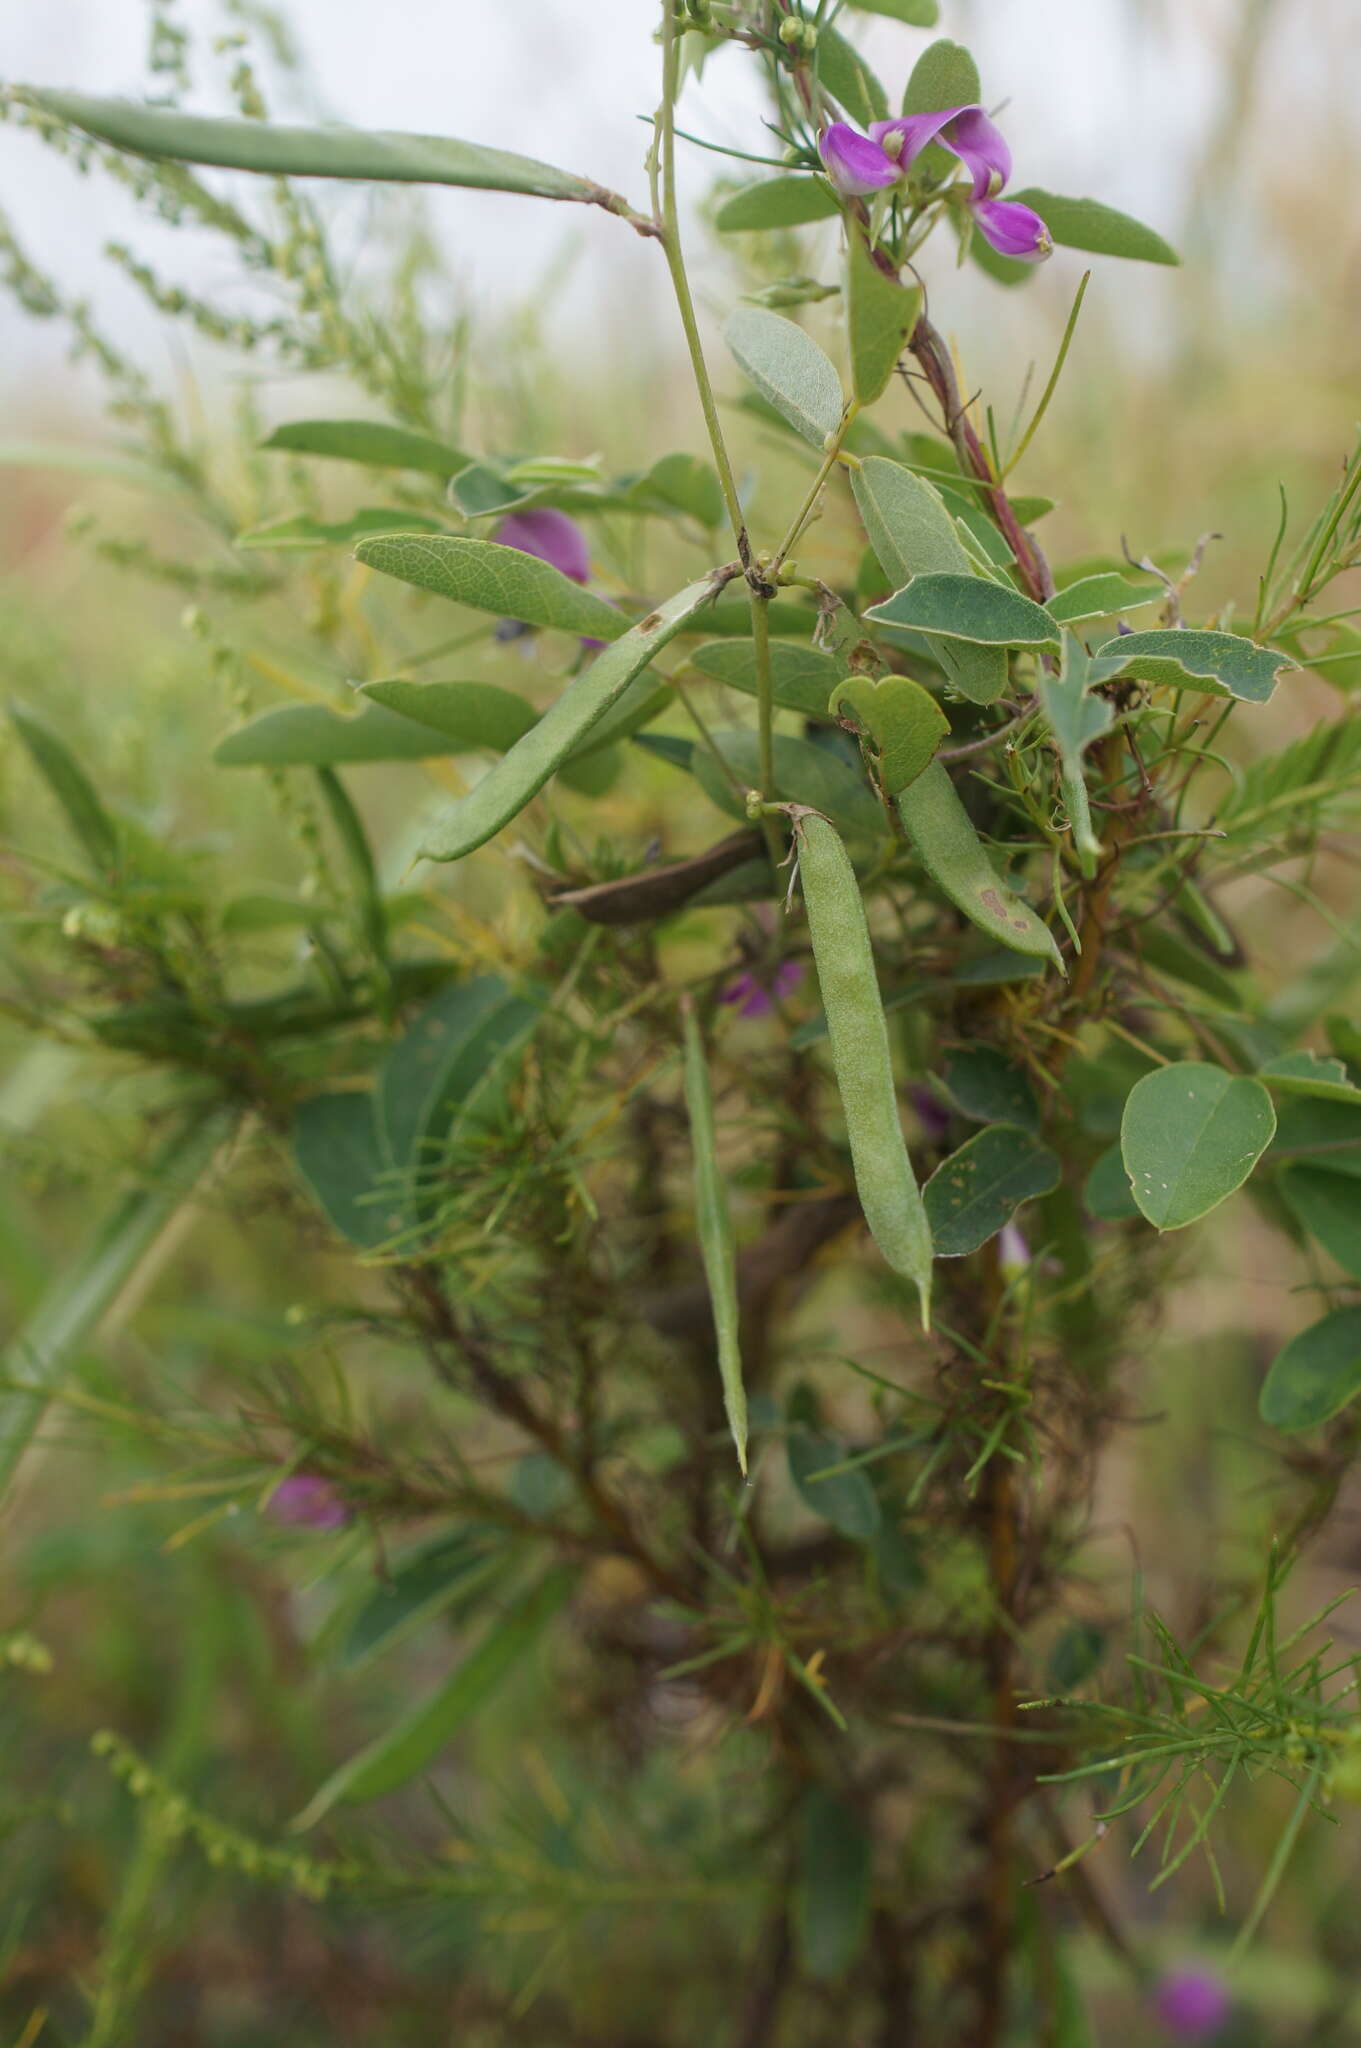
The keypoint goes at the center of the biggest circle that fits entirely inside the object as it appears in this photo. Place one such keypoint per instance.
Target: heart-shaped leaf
(903, 721)
(1190, 1135)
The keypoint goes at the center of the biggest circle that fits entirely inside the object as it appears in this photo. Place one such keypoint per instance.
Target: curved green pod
(520, 774)
(953, 855)
(858, 1034)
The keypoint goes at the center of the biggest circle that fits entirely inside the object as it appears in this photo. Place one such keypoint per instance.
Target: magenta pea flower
(306, 1500)
(552, 536)
(753, 996)
(855, 164)
(1192, 2004)
(858, 164)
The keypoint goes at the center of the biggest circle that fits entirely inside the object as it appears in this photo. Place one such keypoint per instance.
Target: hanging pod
(953, 855)
(858, 1034)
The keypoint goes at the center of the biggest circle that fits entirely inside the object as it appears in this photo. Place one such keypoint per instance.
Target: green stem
(671, 242)
(805, 511)
(765, 710)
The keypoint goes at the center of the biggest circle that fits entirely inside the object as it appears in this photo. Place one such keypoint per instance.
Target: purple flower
(550, 535)
(1192, 2004)
(965, 131)
(555, 539)
(307, 1501)
(754, 997)
(857, 164)
(1013, 230)
(853, 162)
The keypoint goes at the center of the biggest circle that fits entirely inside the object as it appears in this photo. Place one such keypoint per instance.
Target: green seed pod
(952, 854)
(716, 1243)
(858, 1034)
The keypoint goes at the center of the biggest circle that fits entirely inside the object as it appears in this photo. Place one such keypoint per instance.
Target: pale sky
(1107, 97)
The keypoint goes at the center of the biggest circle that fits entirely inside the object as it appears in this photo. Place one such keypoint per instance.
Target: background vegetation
(144, 1585)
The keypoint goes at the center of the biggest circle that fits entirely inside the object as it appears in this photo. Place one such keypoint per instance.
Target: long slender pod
(716, 1243)
(953, 855)
(858, 1034)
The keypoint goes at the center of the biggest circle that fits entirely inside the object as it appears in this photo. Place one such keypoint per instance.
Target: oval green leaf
(801, 678)
(785, 202)
(286, 152)
(805, 773)
(1093, 597)
(1316, 1374)
(916, 13)
(788, 369)
(521, 773)
(338, 1155)
(1190, 1135)
(372, 442)
(988, 1088)
(1220, 664)
(1328, 1207)
(492, 578)
(831, 1903)
(302, 532)
(974, 1192)
(912, 534)
(1087, 224)
(944, 75)
(843, 72)
(845, 1499)
(416, 1740)
(969, 608)
(880, 315)
(1308, 1073)
(465, 715)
